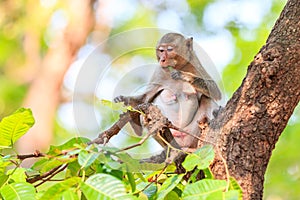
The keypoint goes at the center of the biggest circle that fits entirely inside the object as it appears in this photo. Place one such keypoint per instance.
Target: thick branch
(253, 119)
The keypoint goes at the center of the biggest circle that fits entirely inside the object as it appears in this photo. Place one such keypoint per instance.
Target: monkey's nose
(163, 62)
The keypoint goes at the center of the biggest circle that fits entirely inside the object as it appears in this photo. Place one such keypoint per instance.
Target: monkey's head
(173, 50)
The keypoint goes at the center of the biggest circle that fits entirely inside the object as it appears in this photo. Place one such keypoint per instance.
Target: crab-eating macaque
(180, 87)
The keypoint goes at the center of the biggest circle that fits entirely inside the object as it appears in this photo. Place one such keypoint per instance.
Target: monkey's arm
(207, 87)
(134, 101)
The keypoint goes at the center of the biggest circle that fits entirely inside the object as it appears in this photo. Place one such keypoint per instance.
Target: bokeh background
(45, 44)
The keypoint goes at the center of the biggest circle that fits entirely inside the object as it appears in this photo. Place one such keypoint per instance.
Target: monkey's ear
(189, 43)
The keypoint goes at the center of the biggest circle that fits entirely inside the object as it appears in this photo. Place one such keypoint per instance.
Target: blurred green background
(33, 34)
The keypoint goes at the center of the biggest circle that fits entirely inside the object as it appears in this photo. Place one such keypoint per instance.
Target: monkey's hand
(184, 76)
(176, 75)
(121, 98)
(130, 100)
(207, 87)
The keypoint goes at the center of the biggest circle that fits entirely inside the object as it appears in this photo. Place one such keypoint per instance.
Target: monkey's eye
(169, 49)
(161, 49)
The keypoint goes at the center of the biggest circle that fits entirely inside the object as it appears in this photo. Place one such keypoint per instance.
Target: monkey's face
(169, 56)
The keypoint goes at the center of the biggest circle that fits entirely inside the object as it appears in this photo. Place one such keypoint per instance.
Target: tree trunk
(246, 131)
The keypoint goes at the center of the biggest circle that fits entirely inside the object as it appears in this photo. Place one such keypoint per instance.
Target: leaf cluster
(75, 170)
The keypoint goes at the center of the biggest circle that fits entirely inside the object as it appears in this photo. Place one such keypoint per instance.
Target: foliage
(14, 126)
(75, 170)
(25, 37)
(120, 106)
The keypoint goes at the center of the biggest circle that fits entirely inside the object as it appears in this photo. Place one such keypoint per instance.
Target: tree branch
(36, 154)
(249, 126)
(47, 175)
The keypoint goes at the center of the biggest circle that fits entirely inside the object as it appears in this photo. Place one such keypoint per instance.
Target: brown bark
(247, 129)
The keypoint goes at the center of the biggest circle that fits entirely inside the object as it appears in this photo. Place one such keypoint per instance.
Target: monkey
(180, 87)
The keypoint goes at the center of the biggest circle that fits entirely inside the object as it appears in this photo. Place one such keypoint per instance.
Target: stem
(62, 168)
(36, 154)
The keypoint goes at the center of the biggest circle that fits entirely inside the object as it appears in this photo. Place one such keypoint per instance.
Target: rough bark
(248, 128)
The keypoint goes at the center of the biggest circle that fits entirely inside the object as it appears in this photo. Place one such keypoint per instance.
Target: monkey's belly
(179, 108)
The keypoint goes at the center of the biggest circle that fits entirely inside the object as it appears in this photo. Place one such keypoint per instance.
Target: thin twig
(36, 154)
(40, 177)
(53, 174)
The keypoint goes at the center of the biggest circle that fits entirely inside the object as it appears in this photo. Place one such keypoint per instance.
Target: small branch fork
(36, 154)
(158, 126)
(47, 176)
(105, 136)
(43, 177)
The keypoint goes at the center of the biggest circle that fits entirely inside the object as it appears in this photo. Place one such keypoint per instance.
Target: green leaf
(14, 126)
(73, 169)
(216, 195)
(18, 175)
(132, 165)
(55, 150)
(50, 164)
(38, 165)
(104, 186)
(4, 162)
(85, 159)
(119, 106)
(18, 191)
(57, 191)
(202, 189)
(131, 181)
(45, 164)
(232, 195)
(200, 158)
(169, 185)
(233, 185)
(208, 173)
(3, 179)
(70, 194)
(149, 191)
(171, 195)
